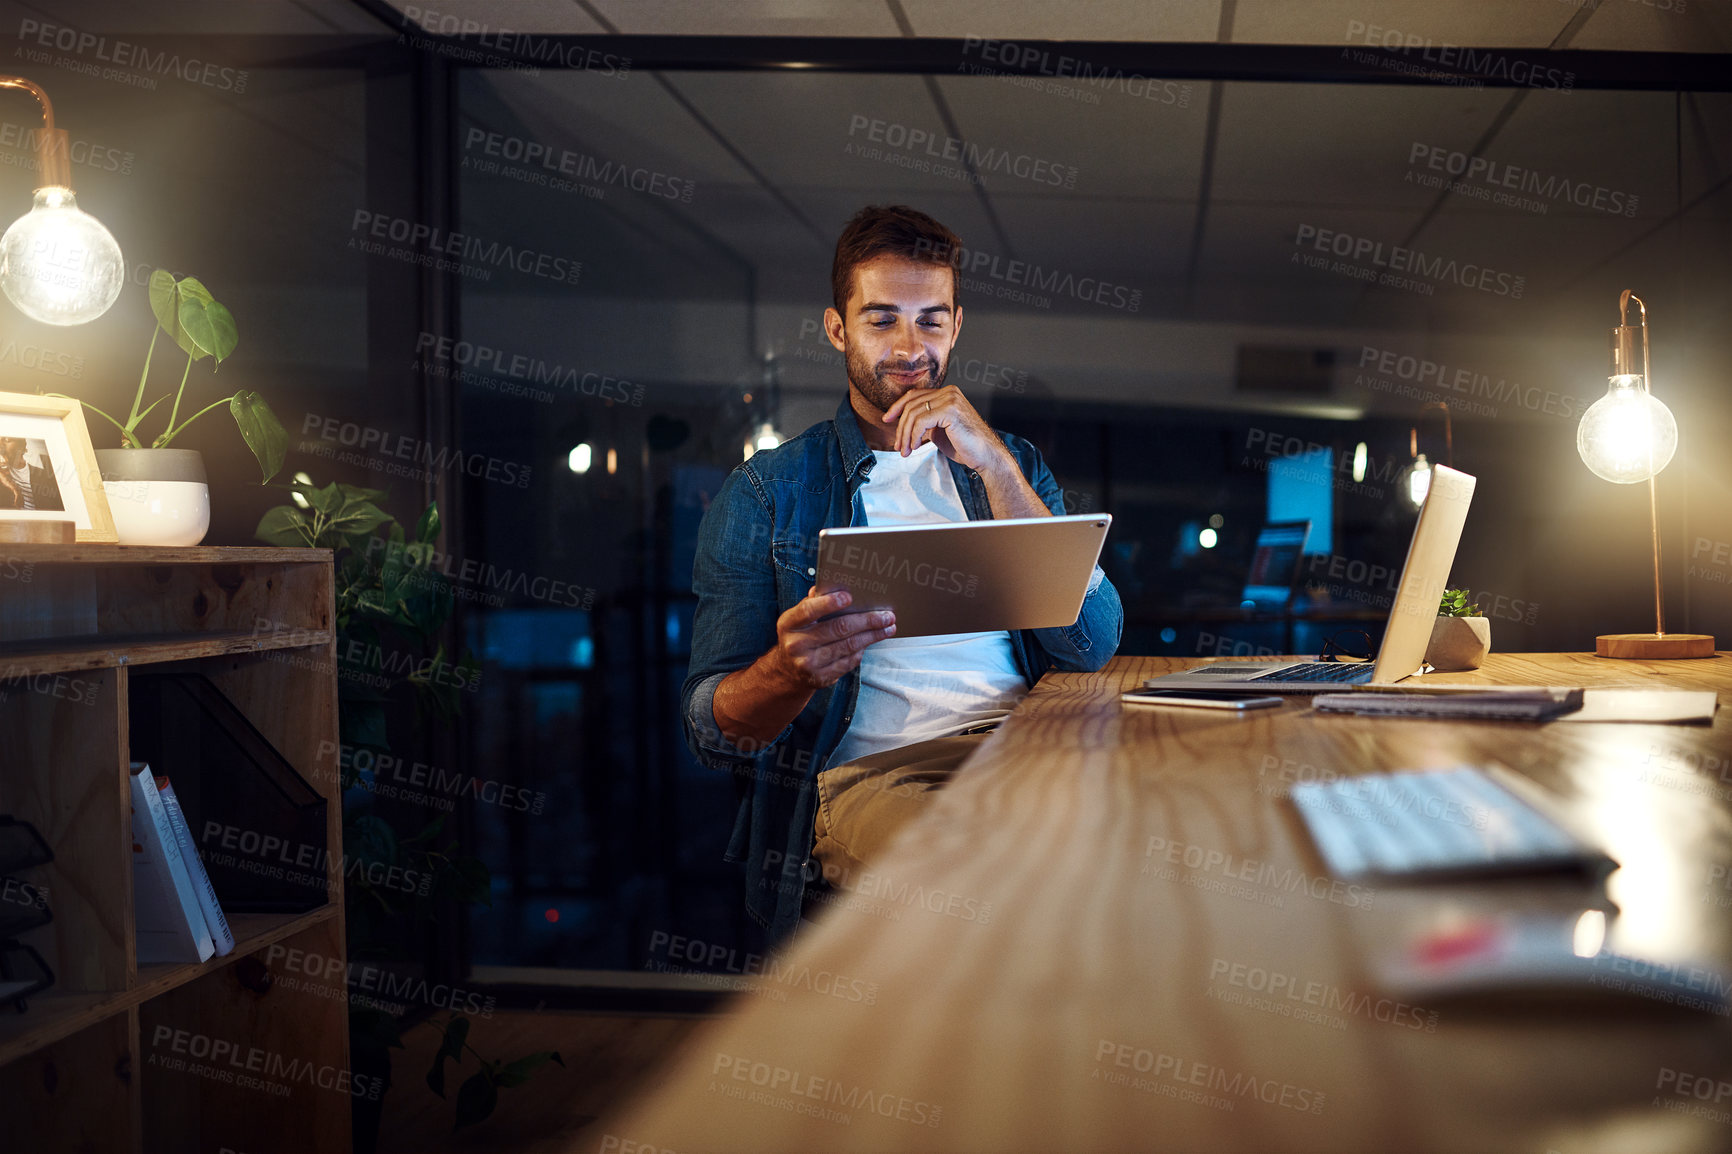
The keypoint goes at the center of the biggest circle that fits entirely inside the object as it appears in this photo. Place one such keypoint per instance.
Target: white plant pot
(1458, 643)
(157, 496)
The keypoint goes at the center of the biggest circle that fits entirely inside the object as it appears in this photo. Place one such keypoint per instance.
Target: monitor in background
(1275, 565)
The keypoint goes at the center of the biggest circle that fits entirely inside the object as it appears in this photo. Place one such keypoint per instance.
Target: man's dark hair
(891, 230)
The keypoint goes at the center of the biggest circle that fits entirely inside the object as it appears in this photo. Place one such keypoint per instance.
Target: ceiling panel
(749, 18)
(1251, 269)
(219, 17)
(1482, 23)
(1170, 20)
(1658, 26)
(490, 17)
(1109, 257)
(1123, 146)
(1586, 154)
(633, 122)
(1544, 250)
(818, 130)
(1338, 144)
(1707, 132)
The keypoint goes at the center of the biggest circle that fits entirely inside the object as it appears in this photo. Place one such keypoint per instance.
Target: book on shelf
(168, 925)
(222, 939)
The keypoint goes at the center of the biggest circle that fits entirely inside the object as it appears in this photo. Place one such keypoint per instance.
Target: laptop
(1405, 637)
(1275, 565)
(967, 576)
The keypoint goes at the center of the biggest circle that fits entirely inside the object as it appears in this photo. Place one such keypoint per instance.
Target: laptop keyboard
(1434, 821)
(1324, 672)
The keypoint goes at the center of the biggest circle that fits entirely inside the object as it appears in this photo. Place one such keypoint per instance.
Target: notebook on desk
(1423, 577)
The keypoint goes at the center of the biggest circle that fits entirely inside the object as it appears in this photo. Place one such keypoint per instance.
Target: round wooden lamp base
(35, 532)
(1654, 646)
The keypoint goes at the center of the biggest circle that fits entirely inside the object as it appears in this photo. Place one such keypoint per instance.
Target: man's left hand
(944, 416)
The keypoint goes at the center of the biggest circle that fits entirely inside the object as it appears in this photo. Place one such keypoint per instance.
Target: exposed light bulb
(1628, 435)
(1590, 934)
(1418, 480)
(578, 460)
(58, 264)
(1207, 538)
(301, 478)
(765, 437)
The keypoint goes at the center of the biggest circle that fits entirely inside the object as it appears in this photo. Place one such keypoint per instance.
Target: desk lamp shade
(1628, 436)
(58, 264)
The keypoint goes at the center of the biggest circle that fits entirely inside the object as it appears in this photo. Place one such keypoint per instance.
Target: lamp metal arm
(53, 150)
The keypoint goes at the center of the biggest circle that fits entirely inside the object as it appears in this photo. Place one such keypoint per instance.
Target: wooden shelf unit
(122, 1057)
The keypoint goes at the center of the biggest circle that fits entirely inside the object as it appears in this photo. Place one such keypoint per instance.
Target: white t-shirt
(21, 478)
(918, 688)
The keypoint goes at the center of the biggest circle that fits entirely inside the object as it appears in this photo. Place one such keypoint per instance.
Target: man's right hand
(815, 649)
(754, 704)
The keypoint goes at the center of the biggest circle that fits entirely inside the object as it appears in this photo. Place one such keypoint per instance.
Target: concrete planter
(1458, 643)
(157, 496)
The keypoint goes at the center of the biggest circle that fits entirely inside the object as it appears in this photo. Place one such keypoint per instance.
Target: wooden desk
(1028, 935)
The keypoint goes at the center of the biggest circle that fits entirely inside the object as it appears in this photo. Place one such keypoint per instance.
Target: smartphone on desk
(1197, 699)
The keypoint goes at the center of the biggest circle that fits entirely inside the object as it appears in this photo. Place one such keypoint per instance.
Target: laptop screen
(1275, 564)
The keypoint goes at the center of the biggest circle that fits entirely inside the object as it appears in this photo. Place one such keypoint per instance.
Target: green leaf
(355, 513)
(476, 1099)
(1455, 603)
(456, 1033)
(428, 832)
(223, 334)
(362, 723)
(374, 1030)
(163, 299)
(171, 318)
(373, 840)
(284, 525)
(324, 500)
(427, 529)
(261, 430)
(356, 493)
(518, 1072)
(467, 880)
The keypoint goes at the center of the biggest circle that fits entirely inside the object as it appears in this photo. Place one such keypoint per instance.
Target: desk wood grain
(1063, 953)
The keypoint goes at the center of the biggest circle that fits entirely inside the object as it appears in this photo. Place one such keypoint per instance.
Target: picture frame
(48, 469)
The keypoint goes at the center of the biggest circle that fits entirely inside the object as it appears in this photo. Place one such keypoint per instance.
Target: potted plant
(1461, 637)
(391, 595)
(158, 494)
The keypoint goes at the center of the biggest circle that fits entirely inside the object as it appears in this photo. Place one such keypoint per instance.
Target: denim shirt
(757, 557)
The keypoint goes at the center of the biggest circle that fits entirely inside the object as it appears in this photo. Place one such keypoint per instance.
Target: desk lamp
(1416, 478)
(1628, 436)
(58, 264)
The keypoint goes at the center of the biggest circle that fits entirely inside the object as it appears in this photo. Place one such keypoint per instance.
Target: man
(836, 730)
(23, 485)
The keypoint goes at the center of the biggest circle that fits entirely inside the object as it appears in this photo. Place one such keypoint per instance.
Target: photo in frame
(48, 469)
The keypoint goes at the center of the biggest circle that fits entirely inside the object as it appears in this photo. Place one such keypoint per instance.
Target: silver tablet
(967, 576)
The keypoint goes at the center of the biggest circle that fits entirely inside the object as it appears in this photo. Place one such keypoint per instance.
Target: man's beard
(881, 393)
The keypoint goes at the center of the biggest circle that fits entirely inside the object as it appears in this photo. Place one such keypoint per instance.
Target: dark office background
(676, 202)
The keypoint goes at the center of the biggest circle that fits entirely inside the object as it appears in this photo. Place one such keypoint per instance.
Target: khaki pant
(862, 804)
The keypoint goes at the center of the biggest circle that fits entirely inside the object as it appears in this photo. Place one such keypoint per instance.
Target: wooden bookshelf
(119, 1056)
